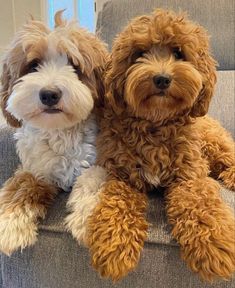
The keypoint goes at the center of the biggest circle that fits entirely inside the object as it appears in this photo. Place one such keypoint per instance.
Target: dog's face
(51, 78)
(160, 68)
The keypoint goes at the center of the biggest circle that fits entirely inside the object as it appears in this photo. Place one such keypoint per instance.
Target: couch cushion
(222, 106)
(216, 16)
(8, 157)
(56, 261)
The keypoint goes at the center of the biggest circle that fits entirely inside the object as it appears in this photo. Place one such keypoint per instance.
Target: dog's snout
(50, 97)
(162, 81)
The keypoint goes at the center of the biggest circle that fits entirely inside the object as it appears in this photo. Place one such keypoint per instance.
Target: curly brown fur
(203, 226)
(218, 149)
(151, 136)
(117, 230)
(23, 199)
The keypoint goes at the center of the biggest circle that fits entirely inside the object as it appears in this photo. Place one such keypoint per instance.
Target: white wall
(13, 13)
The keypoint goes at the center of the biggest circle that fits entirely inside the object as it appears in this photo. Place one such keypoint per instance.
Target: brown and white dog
(159, 83)
(51, 82)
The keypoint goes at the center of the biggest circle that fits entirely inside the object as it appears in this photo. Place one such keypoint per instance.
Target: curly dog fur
(121, 216)
(24, 199)
(151, 137)
(51, 83)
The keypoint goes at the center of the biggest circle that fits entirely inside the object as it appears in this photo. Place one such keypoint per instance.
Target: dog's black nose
(162, 81)
(50, 97)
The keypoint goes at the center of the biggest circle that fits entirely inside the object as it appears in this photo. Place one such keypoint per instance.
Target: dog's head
(51, 79)
(161, 68)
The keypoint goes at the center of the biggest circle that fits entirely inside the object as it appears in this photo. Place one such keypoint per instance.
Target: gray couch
(57, 260)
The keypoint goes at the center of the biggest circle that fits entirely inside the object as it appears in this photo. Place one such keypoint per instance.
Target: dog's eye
(32, 66)
(137, 55)
(75, 67)
(178, 54)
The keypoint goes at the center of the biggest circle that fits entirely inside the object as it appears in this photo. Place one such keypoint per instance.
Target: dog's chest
(153, 153)
(58, 156)
(155, 160)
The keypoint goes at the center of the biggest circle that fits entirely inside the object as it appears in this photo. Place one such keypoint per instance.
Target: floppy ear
(114, 84)
(95, 82)
(207, 67)
(100, 90)
(95, 58)
(131, 41)
(7, 80)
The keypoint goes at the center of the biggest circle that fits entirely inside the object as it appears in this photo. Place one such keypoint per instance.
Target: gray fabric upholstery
(216, 16)
(56, 261)
(8, 157)
(222, 105)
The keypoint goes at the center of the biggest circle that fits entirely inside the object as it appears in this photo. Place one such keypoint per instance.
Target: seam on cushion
(52, 229)
(61, 231)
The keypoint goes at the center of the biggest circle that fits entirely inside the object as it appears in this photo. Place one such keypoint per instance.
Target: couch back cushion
(216, 16)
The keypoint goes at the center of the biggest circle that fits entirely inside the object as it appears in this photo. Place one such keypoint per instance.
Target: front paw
(212, 255)
(82, 201)
(228, 178)
(17, 231)
(116, 253)
(117, 230)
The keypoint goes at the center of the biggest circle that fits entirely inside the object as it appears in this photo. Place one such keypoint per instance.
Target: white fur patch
(17, 230)
(152, 179)
(83, 200)
(57, 156)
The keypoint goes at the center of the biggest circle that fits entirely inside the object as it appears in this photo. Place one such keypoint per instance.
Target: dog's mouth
(160, 93)
(52, 110)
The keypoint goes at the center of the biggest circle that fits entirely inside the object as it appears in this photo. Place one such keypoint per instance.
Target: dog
(159, 81)
(51, 84)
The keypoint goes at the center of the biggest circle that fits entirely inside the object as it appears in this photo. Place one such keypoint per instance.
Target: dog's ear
(99, 69)
(100, 90)
(95, 82)
(114, 86)
(8, 77)
(132, 40)
(206, 65)
(95, 59)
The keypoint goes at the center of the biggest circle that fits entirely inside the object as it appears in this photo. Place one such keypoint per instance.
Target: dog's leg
(218, 148)
(117, 230)
(83, 200)
(204, 227)
(23, 199)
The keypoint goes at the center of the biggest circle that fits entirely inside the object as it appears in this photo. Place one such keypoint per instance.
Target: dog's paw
(117, 230)
(17, 231)
(116, 255)
(82, 201)
(212, 255)
(228, 178)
